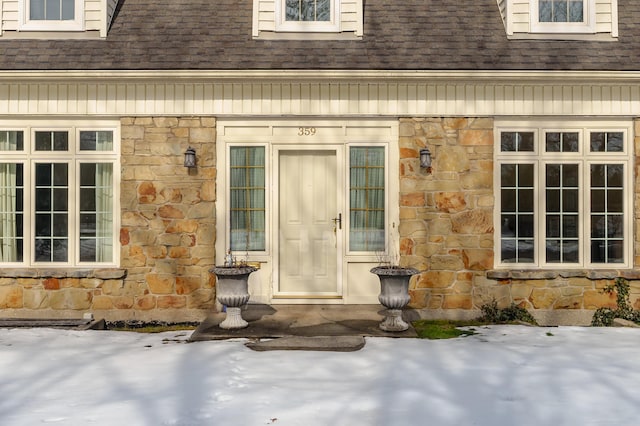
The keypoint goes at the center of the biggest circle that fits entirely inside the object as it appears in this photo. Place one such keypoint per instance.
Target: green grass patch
(150, 327)
(442, 329)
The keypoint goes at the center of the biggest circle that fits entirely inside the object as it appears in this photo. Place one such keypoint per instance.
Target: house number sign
(306, 131)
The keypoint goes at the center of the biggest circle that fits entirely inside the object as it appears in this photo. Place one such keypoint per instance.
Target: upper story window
(308, 19)
(52, 15)
(560, 19)
(308, 15)
(563, 16)
(308, 10)
(561, 10)
(51, 10)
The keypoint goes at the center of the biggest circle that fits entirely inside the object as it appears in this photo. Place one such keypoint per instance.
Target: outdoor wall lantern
(425, 159)
(190, 158)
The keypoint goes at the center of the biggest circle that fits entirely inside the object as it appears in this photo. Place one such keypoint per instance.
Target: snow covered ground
(506, 375)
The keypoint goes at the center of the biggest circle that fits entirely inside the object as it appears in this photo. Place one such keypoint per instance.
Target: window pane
(559, 11)
(52, 141)
(68, 10)
(96, 212)
(96, 141)
(517, 220)
(11, 141)
(51, 215)
(36, 9)
(52, 9)
(11, 212)
(248, 204)
(607, 213)
(366, 199)
(562, 142)
(308, 10)
(607, 142)
(562, 217)
(576, 13)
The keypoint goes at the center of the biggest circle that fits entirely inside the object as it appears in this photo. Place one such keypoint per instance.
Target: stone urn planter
(232, 290)
(394, 294)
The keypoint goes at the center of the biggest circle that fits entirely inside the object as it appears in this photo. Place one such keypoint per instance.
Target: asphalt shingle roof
(398, 35)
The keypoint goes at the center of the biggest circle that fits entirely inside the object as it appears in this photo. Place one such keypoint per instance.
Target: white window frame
(390, 247)
(25, 23)
(586, 27)
(282, 25)
(584, 158)
(251, 254)
(73, 157)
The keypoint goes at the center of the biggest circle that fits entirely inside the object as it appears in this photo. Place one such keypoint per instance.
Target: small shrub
(491, 313)
(603, 317)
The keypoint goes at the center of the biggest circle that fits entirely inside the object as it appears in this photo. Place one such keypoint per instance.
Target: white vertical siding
(319, 99)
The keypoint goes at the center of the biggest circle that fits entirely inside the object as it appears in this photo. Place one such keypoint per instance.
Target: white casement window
(58, 196)
(51, 15)
(564, 196)
(308, 15)
(563, 16)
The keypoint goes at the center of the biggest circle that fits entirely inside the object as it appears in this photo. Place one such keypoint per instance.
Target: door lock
(338, 221)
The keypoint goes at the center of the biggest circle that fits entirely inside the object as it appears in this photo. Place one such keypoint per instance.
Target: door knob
(338, 221)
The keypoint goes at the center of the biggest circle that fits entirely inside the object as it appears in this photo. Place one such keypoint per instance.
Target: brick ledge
(546, 274)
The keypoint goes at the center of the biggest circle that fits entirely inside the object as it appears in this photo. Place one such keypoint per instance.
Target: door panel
(308, 255)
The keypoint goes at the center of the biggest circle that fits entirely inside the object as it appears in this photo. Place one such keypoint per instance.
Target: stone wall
(446, 230)
(168, 220)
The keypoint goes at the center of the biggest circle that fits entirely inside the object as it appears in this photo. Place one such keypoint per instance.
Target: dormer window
(51, 15)
(307, 11)
(51, 10)
(308, 15)
(561, 10)
(563, 16)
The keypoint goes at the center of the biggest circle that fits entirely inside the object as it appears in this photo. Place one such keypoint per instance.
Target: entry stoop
(304, 327)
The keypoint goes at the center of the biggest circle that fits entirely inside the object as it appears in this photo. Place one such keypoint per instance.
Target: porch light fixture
(425, 159)
(190, 158)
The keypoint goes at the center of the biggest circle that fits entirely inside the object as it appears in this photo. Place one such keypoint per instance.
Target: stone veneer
(446, 231)
(167, 236)
(168, 219)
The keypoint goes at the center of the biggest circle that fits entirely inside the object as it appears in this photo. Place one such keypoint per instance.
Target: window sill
(50, 35)
(545, 274)
(563, 36)
(100, 273)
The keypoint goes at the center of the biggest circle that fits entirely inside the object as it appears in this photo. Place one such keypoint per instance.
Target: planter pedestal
(394, 295)
(232, 290)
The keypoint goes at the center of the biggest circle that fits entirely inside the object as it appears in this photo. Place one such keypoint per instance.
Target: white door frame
(358, 285)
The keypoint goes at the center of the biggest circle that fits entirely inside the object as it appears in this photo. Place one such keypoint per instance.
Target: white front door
(309, 237)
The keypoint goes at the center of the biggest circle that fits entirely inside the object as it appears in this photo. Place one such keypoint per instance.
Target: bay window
(564, 197)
